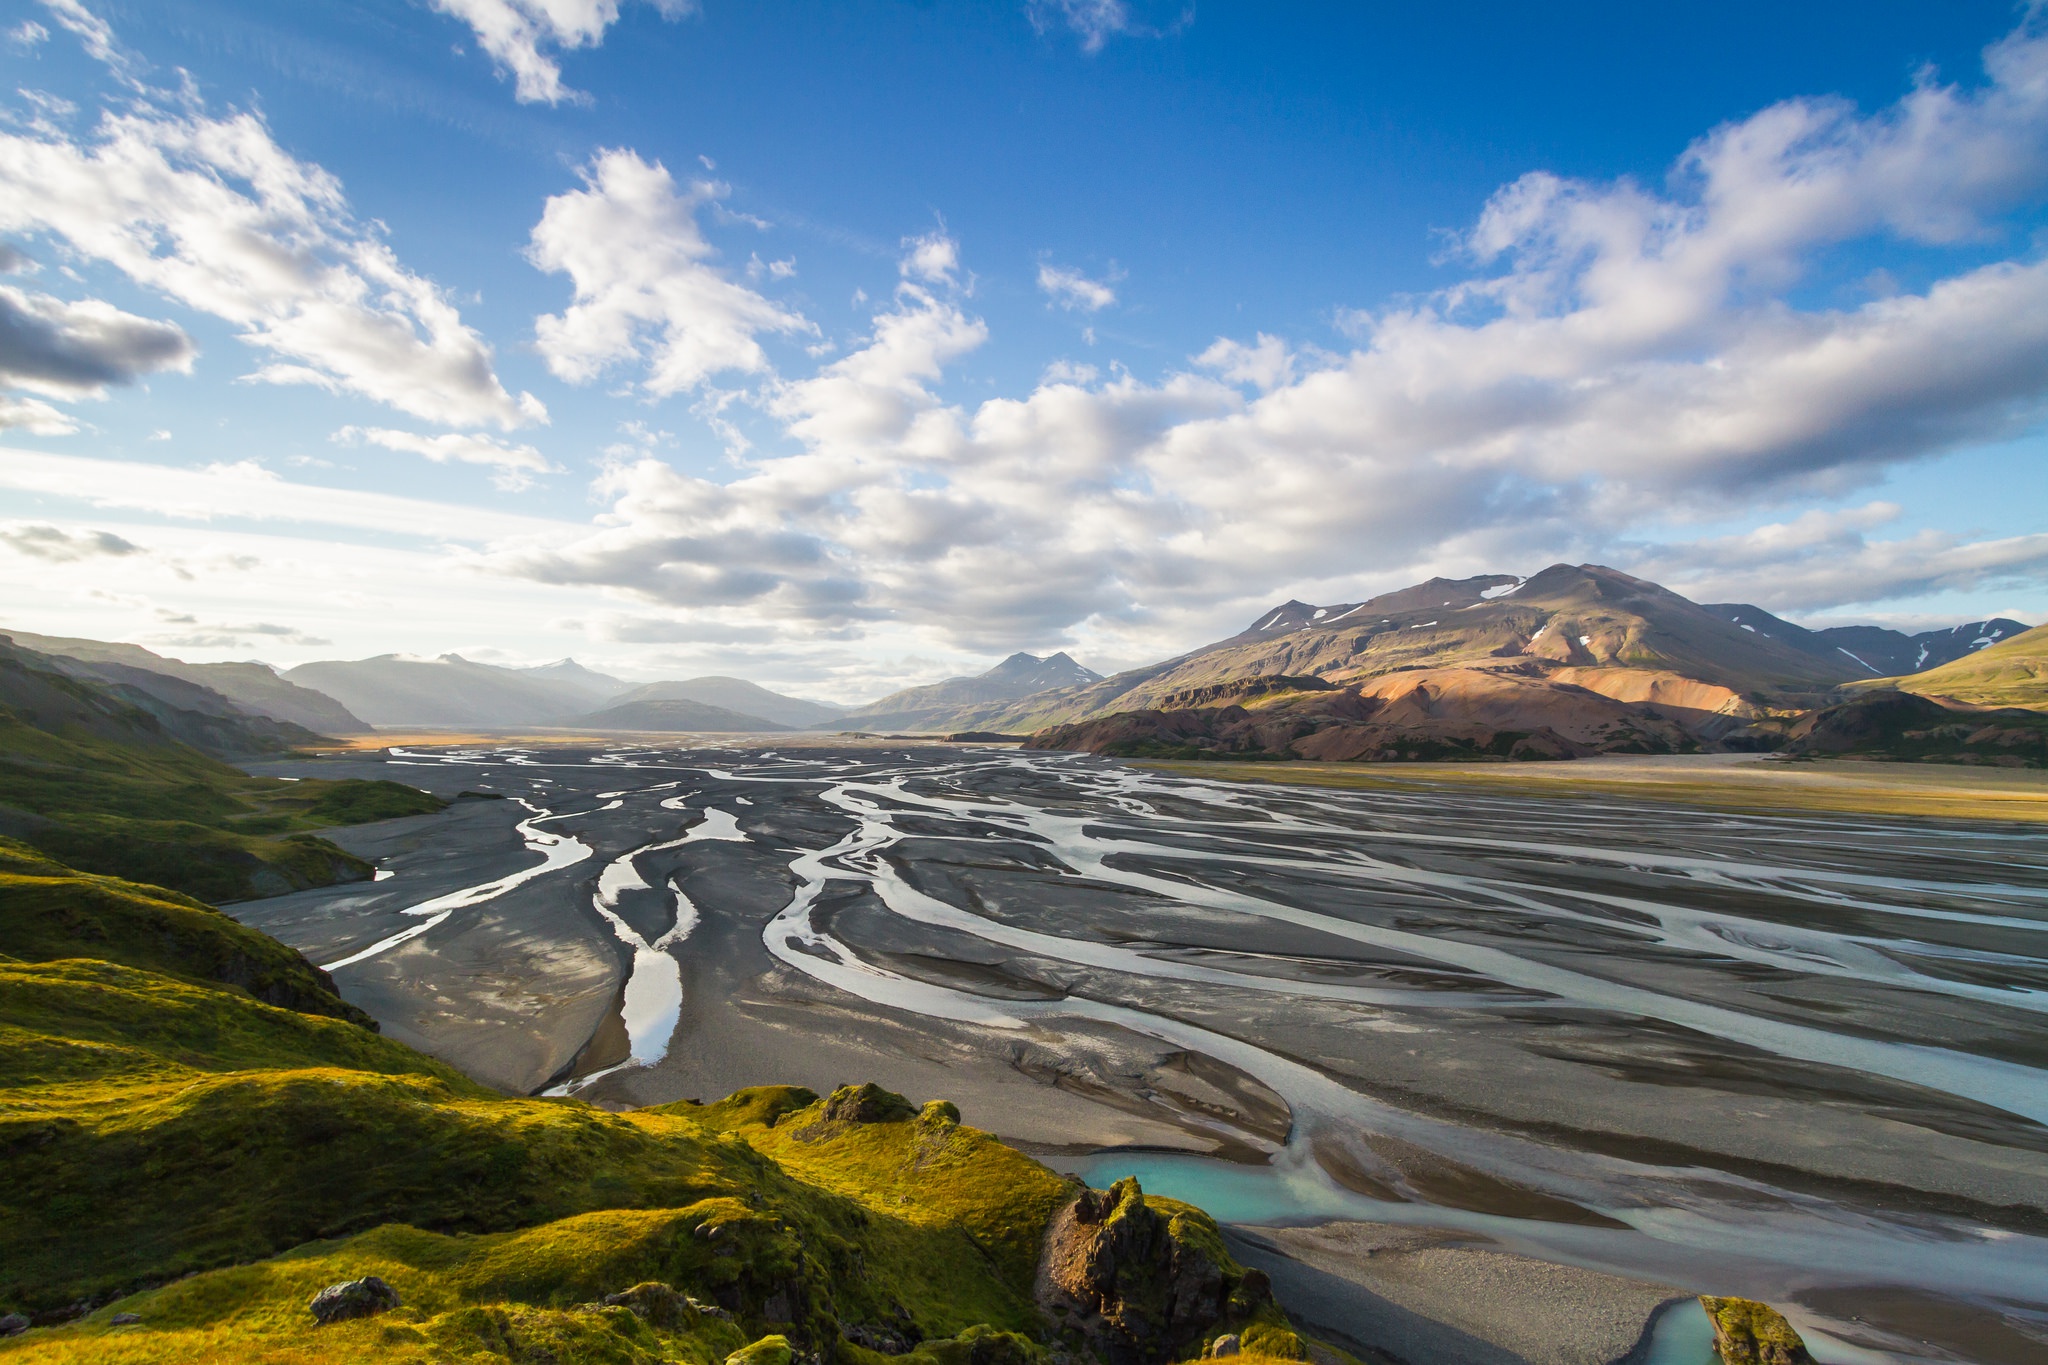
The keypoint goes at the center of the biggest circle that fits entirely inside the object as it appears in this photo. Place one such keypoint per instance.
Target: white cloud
(35, 417)
(931, 259)
(75, 350)
(27, 35)
(1826, 560)
(644, 285)
(42, 541)
(518, 33)
(1266, 365)
(1093, 21)
(515, 465)
(1072, 290)
(213, 213)
(93, 33)
(1617, 354)
(247, 491)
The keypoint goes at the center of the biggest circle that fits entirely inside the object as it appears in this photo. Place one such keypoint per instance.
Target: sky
(848, 346)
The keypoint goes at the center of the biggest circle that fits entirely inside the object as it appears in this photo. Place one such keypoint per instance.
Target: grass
(1810, 787)
(116, 799)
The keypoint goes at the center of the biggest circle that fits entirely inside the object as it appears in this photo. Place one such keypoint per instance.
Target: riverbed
(1797, 1057)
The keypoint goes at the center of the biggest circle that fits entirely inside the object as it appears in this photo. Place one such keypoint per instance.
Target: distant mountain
(395, 690)
(1873, 651)
(255, 688)
(2012, 672)
(675, 716)
(748, 699)
(127, 705)
(956, 703)
(1583, 626)
(569, 674)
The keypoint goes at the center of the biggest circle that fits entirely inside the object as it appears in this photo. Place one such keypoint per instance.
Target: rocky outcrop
(1138, 1284)
(1750, 1333)
(350, 1299)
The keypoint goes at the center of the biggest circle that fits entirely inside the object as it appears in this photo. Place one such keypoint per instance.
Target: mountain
(748, 699)
(176, 709)
(92, 778)
(253, 687)
(960, 703)
(396, 689)
(2012, 672)
(676, 715)
(1583, 626)
(1873, 651)
(569, 674)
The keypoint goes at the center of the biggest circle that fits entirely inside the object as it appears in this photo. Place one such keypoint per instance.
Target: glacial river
(1767, 1054)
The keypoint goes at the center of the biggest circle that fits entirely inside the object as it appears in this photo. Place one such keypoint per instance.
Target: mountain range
(1582, 658)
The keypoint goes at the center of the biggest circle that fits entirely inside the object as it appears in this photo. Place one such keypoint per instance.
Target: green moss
(1750, 1333)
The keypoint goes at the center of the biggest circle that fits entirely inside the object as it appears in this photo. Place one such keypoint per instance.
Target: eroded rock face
(1138, 1288)
(353, 1299)
(1750, 1333)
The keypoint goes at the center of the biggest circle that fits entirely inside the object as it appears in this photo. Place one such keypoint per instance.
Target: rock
(1139, 1288)
(13, 1325)
(867, 1104)
(1225, 1345)
(659, 1305)
(1750, 1333)
(362, 1298)
(771, 1350)
(879, 1339)
(124, 1319)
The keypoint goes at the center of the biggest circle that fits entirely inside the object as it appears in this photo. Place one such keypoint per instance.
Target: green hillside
(2014, 673)
(99, 785)
(179, 1150)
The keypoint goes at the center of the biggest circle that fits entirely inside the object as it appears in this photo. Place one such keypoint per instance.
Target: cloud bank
(1616, 354)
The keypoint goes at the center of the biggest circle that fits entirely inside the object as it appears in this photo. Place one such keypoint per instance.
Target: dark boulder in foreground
(362, 1298)
(1139, 1284)
(1750, 1333)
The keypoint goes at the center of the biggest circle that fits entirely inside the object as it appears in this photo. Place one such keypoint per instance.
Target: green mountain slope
(2014, 673)
(251, 686)
(100, 785)
(182, 1152)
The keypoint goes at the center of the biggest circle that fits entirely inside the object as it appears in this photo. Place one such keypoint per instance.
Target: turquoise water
(1231, 1193)
(1683, 1336)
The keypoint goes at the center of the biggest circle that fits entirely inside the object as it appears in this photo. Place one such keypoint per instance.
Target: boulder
(1139, 1284)
(1750, 1333)
(124, 1319)
(13, 1324)
(362, 1298)
(867, 1104)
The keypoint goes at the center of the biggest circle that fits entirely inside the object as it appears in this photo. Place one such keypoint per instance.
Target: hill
(254, 688)
(398, 690)
(188, 1165)
(2012, 672)
(1873, 651)
(961, 703)
(743, 697)
(104, 785)
(1903, 727)
(1586, 627)
(678, 716)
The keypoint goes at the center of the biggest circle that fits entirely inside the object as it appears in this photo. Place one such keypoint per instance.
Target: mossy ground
(152, 810)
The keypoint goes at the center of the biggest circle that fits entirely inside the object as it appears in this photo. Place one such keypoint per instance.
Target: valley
(1791, 1055)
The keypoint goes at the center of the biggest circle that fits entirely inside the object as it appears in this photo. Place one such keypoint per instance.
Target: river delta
(1419, 1046)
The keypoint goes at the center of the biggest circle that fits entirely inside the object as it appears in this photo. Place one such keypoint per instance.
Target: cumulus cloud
(75, 350)
(1072, 290)
(518, 35)
(1616, 352)
(35, 417)
(645, 287)
(1825, 560)
(212, 213)
(515, 465)
(1266, 364)
(65, 547)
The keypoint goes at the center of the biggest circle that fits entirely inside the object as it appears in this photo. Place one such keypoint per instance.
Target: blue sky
(846, 346)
